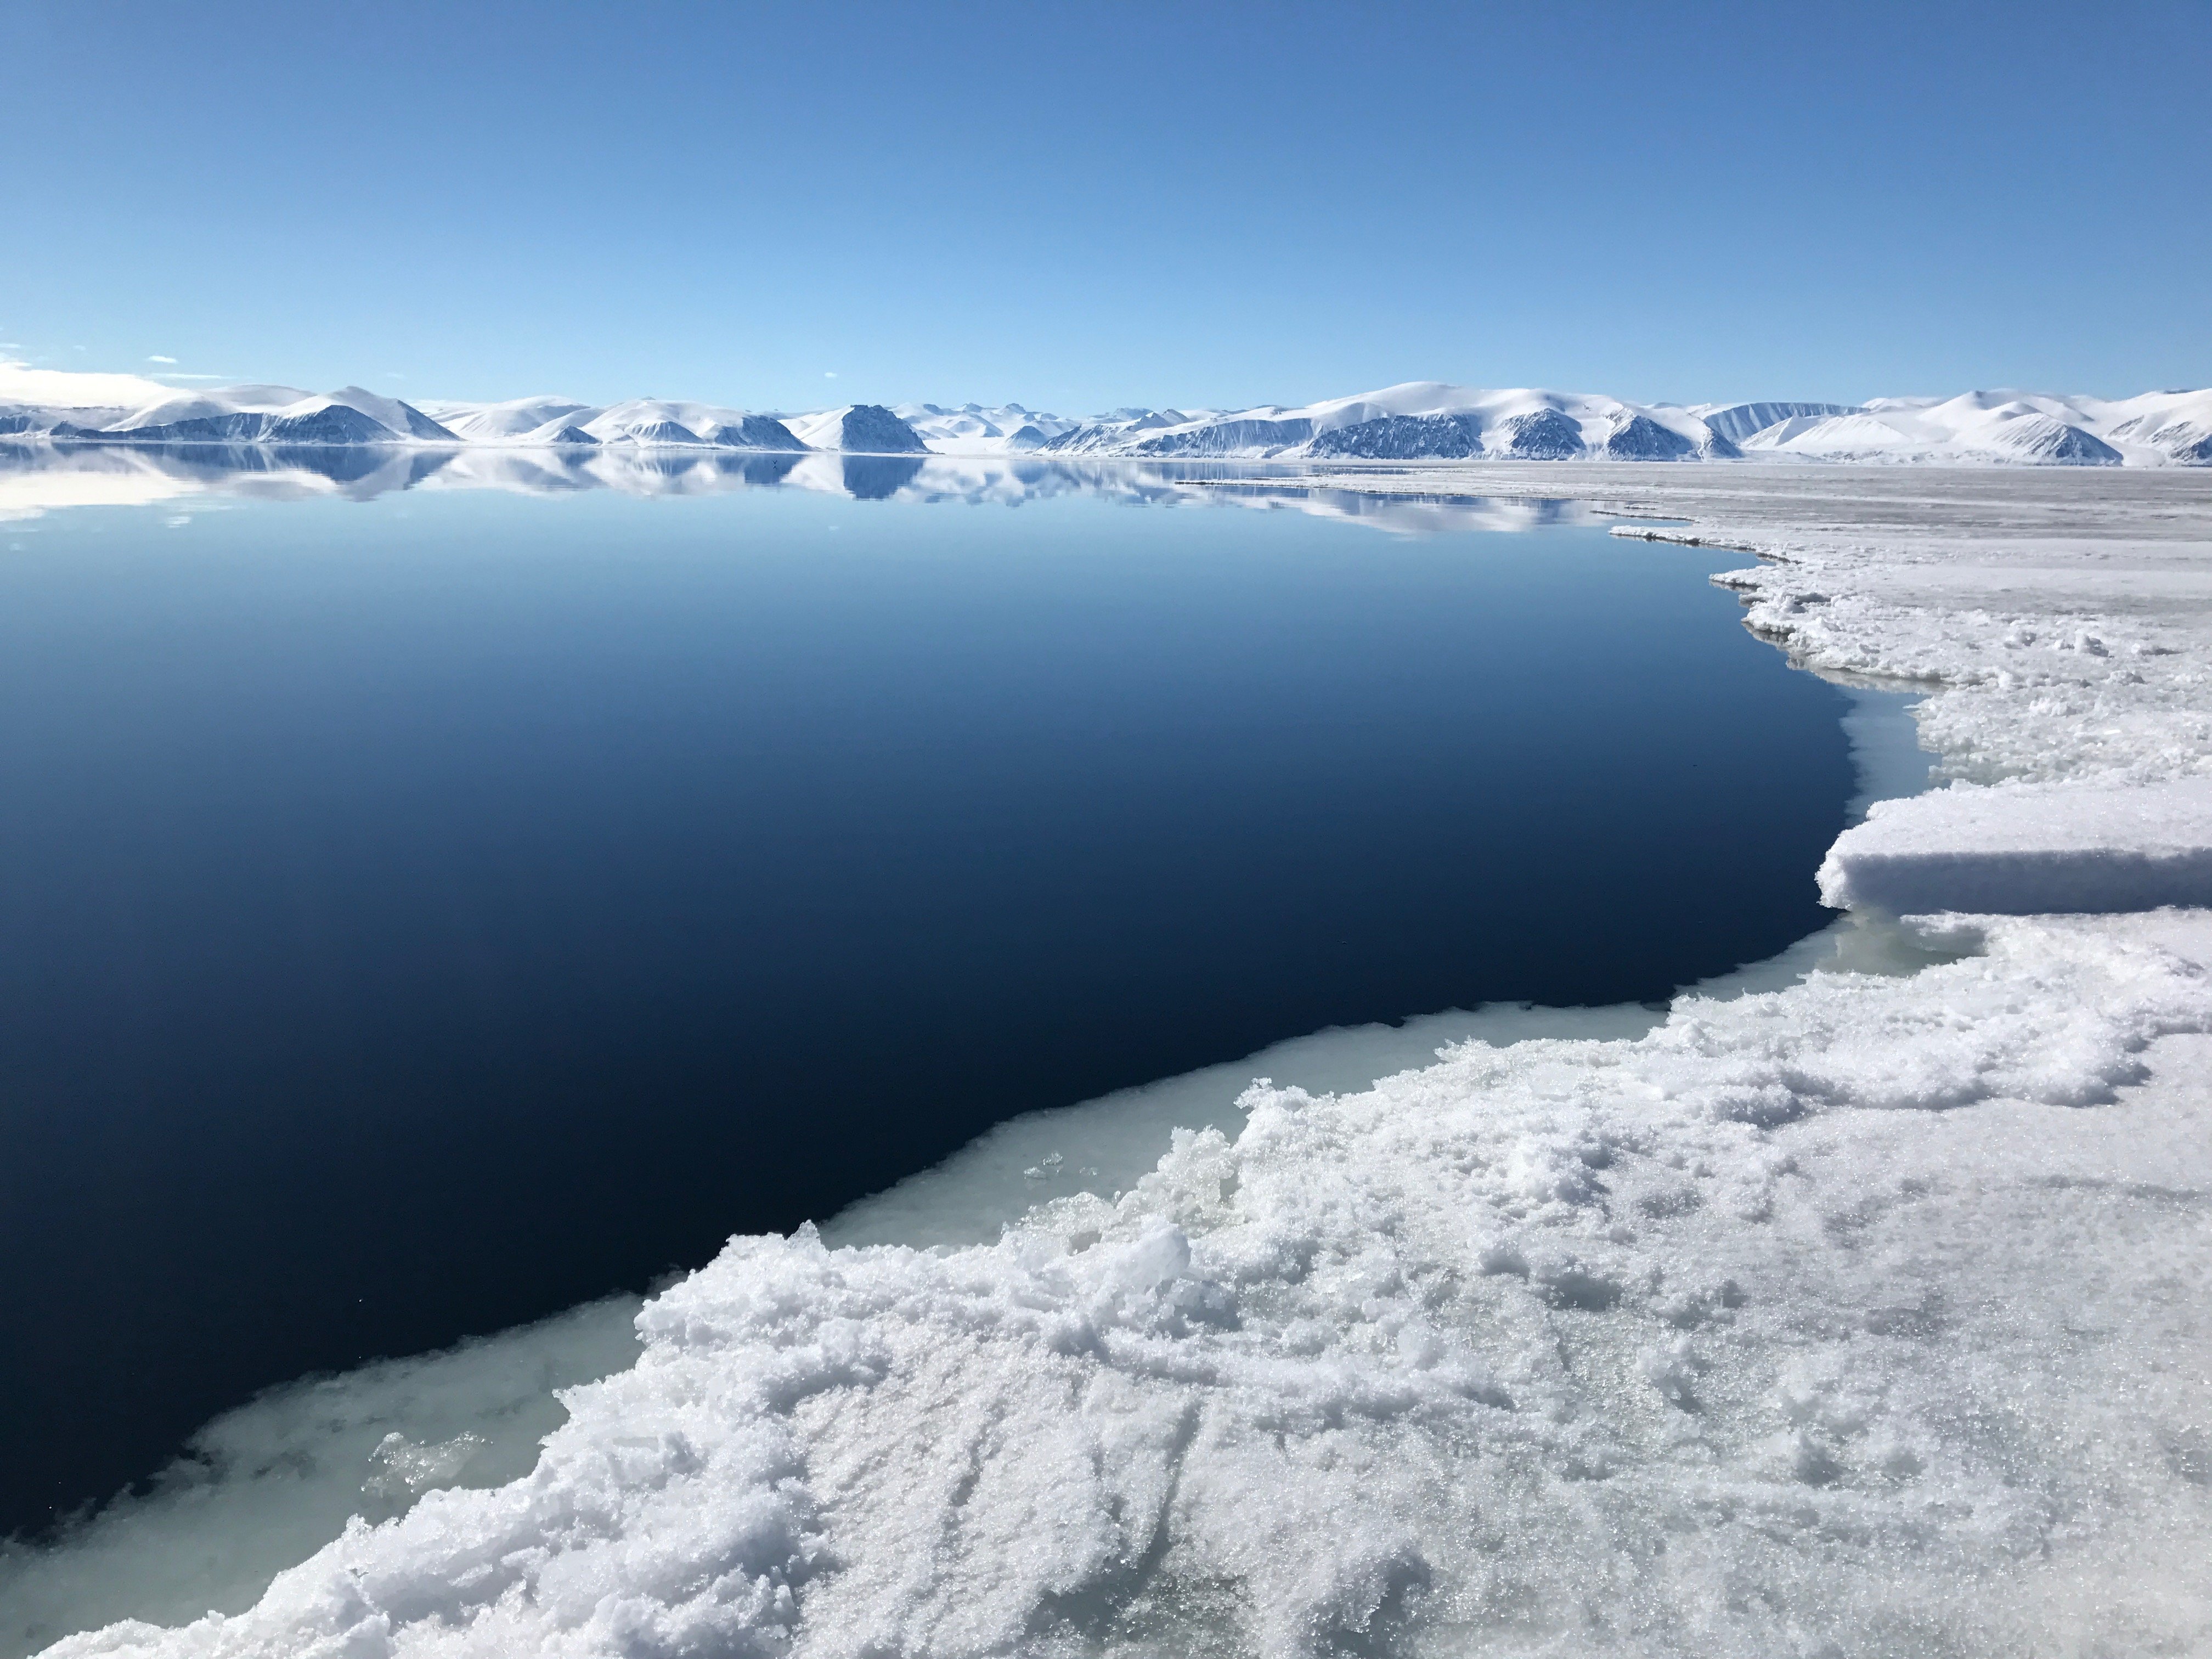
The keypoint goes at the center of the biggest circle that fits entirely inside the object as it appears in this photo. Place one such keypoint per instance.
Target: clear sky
(1080, 206)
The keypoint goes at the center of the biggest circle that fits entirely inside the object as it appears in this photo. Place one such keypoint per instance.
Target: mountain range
(1426, 420)
(1416, 421)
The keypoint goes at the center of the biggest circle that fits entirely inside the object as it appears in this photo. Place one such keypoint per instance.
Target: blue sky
(1081, 206)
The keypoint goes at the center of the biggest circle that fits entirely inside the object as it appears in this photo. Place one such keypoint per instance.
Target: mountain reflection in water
(38, 477)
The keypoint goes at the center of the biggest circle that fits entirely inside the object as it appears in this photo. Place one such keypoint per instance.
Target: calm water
(423, 913)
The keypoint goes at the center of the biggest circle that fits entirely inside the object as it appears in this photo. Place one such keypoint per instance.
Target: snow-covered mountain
(1425, 420)
(648, 422)
(859, 429)
(2158, 428)
(1736, 422)
(254, 414)
(1417, 420)
(976, 429)
(511, 422)
(354, 416)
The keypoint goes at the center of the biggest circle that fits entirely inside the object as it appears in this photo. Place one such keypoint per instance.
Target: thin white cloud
(191, 377)
(63, 389)
(828, 373)
(157, 357)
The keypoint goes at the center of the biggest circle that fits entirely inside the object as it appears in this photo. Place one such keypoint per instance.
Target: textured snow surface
(2029, 849)
(1861, 1316)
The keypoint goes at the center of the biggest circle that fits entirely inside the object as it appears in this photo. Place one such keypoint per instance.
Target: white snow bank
(2027, 849)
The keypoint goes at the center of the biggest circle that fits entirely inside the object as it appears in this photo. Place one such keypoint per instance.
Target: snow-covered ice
(1862, 1316)
(2030, 849)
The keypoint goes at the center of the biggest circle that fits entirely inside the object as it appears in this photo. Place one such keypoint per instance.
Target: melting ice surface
(427, 916)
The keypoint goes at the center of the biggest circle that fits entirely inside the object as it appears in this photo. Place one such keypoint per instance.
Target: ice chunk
(2028, 849)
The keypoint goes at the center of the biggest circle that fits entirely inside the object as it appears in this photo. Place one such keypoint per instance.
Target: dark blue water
(420, 915)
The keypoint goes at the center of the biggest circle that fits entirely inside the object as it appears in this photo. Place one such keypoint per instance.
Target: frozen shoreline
(1822, 1320)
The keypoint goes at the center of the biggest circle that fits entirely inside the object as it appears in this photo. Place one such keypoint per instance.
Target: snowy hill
(2175, 424)
(2158, 428)
(650, 422)
(1416, 420)
(1984, 425)
(976, 429)
(260, 415)
(858, 428)
(1425, 420)
(641, 422)
(507, 422)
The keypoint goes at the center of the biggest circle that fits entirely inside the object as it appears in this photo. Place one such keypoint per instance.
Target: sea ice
(2029, 849)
